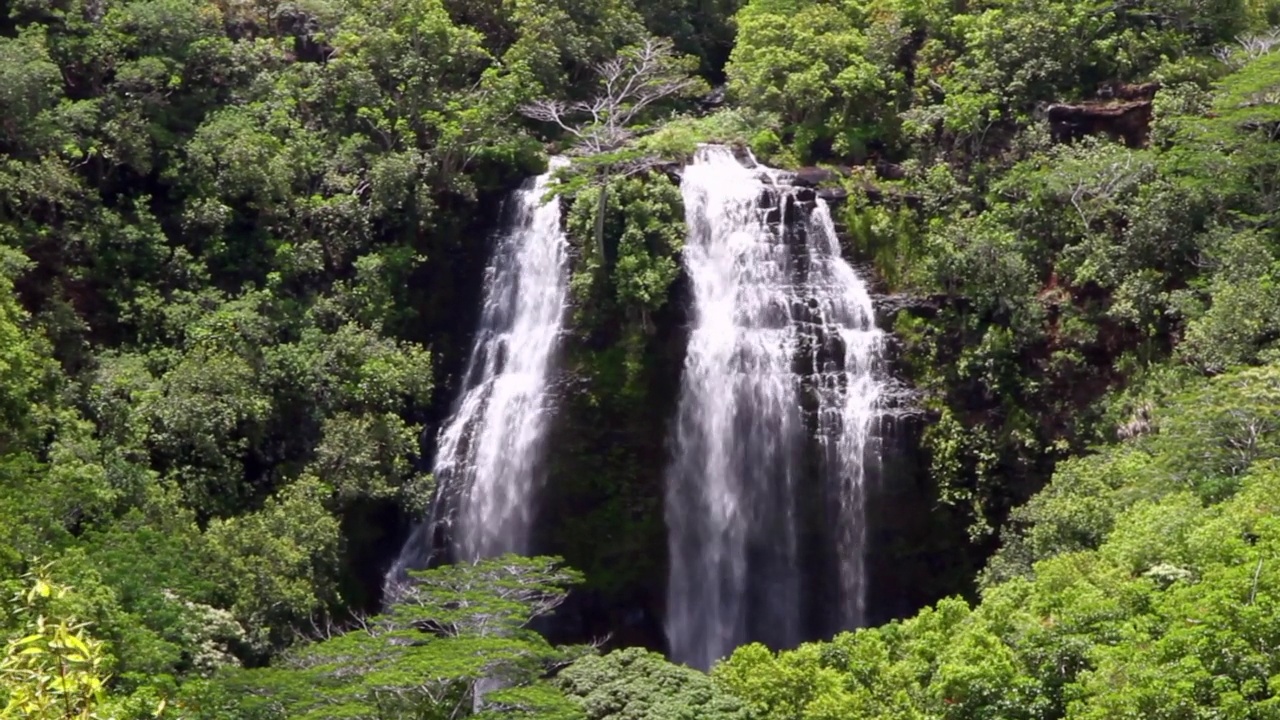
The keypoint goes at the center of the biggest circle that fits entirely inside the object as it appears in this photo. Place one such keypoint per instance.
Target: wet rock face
(715, 99)
(603, 511)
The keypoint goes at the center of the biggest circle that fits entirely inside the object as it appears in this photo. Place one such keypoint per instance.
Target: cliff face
(615, 391)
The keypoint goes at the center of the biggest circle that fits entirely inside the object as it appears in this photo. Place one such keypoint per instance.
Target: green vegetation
(230, 237)
(53, 669)
(239, 241)
(1143, 585)
(634, 684)
(455, 644)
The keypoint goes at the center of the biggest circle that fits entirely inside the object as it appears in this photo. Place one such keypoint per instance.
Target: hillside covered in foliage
(242, 245)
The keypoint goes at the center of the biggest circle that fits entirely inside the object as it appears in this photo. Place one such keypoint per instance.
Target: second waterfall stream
(489, 452)
(774, 437)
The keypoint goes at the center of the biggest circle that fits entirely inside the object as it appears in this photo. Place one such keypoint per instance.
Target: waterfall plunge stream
(490, 449)
(779, 386)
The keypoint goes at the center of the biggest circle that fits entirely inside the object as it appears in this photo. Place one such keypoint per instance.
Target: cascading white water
(489, 450)
(780, 367)
(737, 418)
(847, 348)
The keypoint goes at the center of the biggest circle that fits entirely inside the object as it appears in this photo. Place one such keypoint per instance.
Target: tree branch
(629, 83)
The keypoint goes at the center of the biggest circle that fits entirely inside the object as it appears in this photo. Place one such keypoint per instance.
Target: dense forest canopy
(239, 247)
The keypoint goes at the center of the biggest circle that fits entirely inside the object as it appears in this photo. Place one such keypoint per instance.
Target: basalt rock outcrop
(1120, 112)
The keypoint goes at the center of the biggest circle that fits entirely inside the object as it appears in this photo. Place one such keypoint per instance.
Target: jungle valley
(640, 359)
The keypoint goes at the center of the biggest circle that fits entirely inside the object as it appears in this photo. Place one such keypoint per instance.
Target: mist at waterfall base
(774, 440)
(489, 452)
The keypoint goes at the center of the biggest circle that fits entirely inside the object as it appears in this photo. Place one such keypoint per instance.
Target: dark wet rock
(673, 170)
(814, 176)
(714, 99)
(889, 171)
(794, 211)
(889, 306)
(833, 195)
(744, 156)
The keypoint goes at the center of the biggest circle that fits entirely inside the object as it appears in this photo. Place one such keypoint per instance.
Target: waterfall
(776, 414)
(490, 449)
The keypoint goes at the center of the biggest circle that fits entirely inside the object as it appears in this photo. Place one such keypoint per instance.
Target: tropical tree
(456, 643)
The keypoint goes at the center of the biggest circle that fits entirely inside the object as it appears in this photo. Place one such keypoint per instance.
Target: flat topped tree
(456, 644)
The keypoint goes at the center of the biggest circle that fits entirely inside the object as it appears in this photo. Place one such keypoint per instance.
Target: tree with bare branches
(629, 84)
